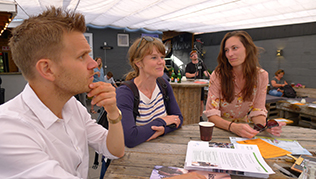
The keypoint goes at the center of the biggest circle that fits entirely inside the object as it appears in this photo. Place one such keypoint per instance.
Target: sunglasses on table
(148, 39)
(270, 123)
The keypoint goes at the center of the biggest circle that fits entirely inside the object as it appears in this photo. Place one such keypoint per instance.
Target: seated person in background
(237, 90)
(44, 131)
(146, 57)
(108, 78)
(277, 84)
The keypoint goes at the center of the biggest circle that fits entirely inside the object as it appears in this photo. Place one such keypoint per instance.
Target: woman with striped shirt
(146, 56)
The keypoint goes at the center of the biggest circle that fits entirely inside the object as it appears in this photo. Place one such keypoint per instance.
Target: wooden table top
(189, 84)
(170, 150)
(310, 92)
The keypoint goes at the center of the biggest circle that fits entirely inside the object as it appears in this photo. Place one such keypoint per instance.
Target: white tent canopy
(196, 16)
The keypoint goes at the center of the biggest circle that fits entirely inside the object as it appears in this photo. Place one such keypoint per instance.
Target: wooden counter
(188, 96)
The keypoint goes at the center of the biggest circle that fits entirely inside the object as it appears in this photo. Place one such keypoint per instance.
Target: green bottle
(179, 77)
(173, 76)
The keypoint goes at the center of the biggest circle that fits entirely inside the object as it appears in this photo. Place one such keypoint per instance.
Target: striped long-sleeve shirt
(150, 109)
(135, 134)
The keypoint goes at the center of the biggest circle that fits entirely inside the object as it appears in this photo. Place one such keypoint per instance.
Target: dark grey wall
(116, 59)
(299, 51)
(13, 85)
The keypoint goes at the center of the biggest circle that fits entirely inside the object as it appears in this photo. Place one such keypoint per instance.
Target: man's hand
(103, 95)
(159, 131)
(207, 74)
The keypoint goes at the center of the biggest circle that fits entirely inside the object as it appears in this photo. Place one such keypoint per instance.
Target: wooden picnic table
(170, 150)
(300, 114)
(298, 108)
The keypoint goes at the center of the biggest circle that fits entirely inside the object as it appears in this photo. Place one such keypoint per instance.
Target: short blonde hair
(41, 37)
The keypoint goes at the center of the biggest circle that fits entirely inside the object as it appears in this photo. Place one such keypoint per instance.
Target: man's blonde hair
(41, 37)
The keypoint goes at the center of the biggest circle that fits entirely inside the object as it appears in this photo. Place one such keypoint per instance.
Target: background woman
(277, 84)
(98, 76)
(237, 91)
(146, 56)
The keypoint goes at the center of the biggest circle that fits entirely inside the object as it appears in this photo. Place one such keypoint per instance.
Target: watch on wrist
(114, 121)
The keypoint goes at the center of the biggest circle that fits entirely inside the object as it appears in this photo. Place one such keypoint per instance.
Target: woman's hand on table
(169, 119)
(159, 131)
(191, 175)
(243, 130)
(172, 119)
(277, 130)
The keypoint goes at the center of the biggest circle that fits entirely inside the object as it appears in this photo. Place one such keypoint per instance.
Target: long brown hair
(139, 50)
(250, 67)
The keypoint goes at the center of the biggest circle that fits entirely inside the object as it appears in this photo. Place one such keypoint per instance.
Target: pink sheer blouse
(237, 109)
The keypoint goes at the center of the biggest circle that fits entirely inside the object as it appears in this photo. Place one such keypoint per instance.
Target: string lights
(5, 26)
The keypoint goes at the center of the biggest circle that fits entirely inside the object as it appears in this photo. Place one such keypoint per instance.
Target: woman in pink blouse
(238, 85)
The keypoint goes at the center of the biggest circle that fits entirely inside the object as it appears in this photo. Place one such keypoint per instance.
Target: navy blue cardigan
(133, 134)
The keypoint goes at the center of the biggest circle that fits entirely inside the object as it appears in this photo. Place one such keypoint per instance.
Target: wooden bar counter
(188, 96)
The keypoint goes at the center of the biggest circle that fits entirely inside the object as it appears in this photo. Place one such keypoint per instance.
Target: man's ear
(44, 68)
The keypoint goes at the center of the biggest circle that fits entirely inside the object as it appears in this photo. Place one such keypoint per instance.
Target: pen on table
(284, 171)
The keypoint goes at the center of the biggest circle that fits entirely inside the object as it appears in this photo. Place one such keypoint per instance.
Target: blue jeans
(275, 93)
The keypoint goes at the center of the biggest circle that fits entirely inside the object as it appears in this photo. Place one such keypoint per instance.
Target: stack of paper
(244, 160)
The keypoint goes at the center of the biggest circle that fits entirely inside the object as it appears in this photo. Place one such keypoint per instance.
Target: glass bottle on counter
(179, 77)
(173, 76)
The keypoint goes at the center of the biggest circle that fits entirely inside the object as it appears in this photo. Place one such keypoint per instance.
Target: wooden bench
(307, 121)
(271, 101)
(273, 112)
(299, 118)
(302, 115)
